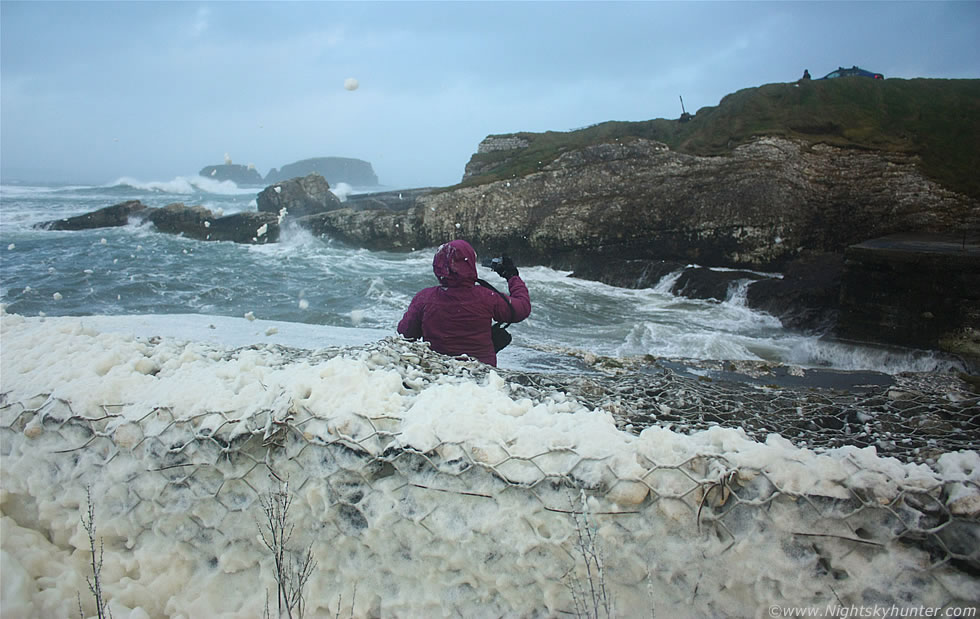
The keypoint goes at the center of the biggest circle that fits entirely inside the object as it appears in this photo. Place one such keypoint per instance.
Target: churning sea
(136, 271)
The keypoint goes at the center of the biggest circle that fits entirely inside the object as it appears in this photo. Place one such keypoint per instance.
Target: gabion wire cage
(476, 529)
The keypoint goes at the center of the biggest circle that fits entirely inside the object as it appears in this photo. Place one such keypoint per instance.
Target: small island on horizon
(355, 172)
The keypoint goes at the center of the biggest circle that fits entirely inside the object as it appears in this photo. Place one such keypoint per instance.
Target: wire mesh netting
(406, 523)
(912, 416)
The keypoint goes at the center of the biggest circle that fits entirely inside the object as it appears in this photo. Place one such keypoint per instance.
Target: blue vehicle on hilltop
(854, 71)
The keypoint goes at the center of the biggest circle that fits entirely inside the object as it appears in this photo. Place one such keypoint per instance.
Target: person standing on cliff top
(454, 317)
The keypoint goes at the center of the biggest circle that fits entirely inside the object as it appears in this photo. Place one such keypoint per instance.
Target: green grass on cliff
(938, 120)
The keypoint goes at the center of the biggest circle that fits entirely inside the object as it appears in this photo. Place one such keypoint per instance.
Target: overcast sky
(95, 91)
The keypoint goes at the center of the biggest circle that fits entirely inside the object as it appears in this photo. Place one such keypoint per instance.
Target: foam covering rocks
(914, 417)
(435, 485)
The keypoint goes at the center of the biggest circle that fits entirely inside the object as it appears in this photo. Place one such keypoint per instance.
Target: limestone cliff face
(761, 206)
(491, 144)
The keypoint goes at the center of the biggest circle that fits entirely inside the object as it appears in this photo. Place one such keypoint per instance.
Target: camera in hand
(502, 266)
(494, 263)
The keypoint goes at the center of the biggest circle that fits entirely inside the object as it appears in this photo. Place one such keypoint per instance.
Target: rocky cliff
(778, 178)
(764, 205)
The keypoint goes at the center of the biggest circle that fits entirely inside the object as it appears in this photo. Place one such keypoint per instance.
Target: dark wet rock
(399, 229)
(108, 217)
(626, 273)
(703, 283)
(401, 200)
(307, 195)
(807, 295)
(197, 222)
(245, 227)
(194, 222)
(178, 218)
(914, 290)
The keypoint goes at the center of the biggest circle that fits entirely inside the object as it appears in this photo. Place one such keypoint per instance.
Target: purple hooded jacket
(455, 316)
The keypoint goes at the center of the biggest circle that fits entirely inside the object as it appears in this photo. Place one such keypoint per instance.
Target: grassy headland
(938, 120)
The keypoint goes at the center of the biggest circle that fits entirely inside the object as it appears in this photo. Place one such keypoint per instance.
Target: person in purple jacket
(455, 316)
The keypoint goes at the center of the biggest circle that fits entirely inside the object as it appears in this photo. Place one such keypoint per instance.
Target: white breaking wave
(186, 185)
(342, 190)
(666, 283)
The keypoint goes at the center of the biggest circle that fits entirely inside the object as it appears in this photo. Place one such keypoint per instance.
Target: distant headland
(336, 170)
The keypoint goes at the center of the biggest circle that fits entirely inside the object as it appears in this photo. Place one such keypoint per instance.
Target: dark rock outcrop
(197, 222)
(401, 200)
(760, 207)
(178, 218)
(108, 217)
(691, 281)
(626, 273)
(705, 283)
(914, 290)
(335, 169)
(245, 227)
(388, 230)
(806, 297)
(239, 174)
(308, 195)
(194, 222)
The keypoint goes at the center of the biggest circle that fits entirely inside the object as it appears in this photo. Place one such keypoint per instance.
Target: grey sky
(95, 91)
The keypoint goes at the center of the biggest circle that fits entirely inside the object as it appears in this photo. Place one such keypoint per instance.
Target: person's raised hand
(506, 268)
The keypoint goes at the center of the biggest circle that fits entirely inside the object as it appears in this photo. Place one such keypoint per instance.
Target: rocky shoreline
(788, 216)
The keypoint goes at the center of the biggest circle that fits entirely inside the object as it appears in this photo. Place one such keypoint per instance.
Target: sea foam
(186, 185)
(431, 486)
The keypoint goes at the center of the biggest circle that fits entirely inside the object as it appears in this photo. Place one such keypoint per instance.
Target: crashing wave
(185, 185)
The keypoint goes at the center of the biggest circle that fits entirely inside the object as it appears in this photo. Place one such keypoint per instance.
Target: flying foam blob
(351, 84)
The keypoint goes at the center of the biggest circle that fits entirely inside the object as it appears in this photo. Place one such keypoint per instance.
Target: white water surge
(430, 487)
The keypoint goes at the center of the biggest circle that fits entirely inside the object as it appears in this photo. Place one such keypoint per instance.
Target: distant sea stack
(239, 174)
(335, 169)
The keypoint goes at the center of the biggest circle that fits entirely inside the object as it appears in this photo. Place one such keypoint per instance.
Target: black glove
(505, 268)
